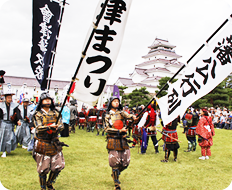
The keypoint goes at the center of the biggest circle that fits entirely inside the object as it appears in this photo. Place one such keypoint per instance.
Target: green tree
(122, 94)
(138, 97)
(218, 97)
(228, 81)
(162, 82)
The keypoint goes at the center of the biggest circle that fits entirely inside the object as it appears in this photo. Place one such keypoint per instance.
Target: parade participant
(82, 118)
(22, 133)
(9, 117)
(100, 120)
(65, 120)
(92, 119)
(48, 149)
(192, 119)
(118, 148)
(126, 109)
(170, 139)
(136, 132)
(149, 127)
(73, 115)
(205, 132)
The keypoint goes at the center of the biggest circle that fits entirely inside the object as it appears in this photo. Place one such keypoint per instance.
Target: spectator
(222, 121)
(216, 121)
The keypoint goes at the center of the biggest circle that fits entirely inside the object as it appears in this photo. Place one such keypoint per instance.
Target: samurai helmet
(43, 96)
(111, 100)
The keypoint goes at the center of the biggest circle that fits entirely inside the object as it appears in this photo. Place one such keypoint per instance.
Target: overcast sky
(185, 23)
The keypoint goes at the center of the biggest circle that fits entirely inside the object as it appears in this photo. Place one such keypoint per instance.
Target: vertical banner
(46, 15)
(116, 92)
(103, 50)
(201, 76)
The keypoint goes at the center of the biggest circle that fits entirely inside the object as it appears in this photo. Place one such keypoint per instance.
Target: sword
(168, 136)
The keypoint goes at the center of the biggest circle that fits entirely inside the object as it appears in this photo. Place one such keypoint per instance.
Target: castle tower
(161, 61)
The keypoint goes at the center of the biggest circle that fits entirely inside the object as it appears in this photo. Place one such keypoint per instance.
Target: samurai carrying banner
(201, 76)
(46, 15)
(103, 50)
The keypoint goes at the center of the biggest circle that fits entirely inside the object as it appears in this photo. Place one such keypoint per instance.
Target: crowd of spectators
(222, 118)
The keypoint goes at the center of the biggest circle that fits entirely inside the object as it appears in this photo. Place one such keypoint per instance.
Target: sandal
(164, 160)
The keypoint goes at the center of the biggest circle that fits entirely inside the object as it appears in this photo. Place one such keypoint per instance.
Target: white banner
(103, 50)
(201, 76)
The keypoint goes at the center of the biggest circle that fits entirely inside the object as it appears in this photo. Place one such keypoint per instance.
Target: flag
(22, 93)
(103, 50)
(46, 15)
(200, 77)
(71, 90)
(116, 92)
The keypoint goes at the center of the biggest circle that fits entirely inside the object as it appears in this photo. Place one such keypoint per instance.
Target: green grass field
(87, 166)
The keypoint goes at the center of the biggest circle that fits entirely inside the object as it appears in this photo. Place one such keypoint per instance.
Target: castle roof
(161, 43)
(162, 51)
(175, 63)
(157, 69)
(129, 83)
(107, 86)
(19, 81)
(140, 71)
(154, 78)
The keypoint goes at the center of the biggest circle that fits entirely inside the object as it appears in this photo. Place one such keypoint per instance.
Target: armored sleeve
(38, 122)
(127, 115)
(107, 122)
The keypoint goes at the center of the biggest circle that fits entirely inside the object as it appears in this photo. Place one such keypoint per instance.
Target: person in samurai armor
(23, 134)
(117, 146)
(148, 123)
(48, 149)
(73, 115)
(92, 119)
(136, 132)
(82, 118)
(205, 132)
(100, 120)
(170, 139)
(9, 117)
(192, 119)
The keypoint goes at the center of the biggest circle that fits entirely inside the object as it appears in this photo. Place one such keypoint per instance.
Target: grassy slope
(87, 166)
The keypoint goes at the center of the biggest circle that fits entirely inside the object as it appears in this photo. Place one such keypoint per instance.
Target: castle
(161, 61)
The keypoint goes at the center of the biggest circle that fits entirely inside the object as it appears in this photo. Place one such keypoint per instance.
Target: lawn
(87, 166)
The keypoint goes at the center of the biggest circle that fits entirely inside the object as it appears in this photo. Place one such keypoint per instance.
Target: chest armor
(4, 109)
(117, 120)
(47, 119)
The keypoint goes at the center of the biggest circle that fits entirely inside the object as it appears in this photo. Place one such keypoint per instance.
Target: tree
(122, 94)
(228, 81)
(218, 97)
(138, 97)
(162, 82)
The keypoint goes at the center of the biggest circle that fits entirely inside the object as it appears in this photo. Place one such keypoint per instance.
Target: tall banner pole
(167, 84)
(95, 25)
(54, 51)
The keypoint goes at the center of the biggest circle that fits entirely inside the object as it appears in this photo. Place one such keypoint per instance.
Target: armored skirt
(23, 134)
(170, 143)
(7, 136)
